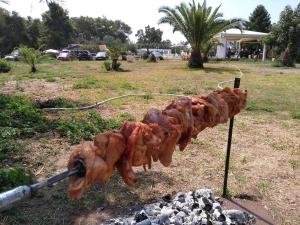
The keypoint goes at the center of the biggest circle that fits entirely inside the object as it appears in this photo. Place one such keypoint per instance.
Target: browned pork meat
(154, 138)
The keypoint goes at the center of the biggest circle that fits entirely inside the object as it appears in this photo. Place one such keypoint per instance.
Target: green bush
(13, 177)
(30, 56)
(76, 129)
(295, 115)
(4, 66)
(107, 65)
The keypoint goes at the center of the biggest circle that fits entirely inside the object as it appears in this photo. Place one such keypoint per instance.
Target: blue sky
(139, 13)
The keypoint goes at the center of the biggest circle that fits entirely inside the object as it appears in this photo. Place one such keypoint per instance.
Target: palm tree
(198, 23)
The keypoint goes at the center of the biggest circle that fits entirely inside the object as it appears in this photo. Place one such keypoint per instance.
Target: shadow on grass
(101, 202)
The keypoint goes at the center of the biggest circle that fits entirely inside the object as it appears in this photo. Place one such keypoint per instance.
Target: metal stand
(236, 85)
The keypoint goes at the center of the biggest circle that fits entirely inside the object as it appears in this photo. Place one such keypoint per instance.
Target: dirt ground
(265, 159)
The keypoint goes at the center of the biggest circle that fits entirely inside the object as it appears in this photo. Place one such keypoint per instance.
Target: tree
(285, 34)
(34, 30)
(198, 23)
(29, 56)
(96, 30)
(151, 38)
(57, 27)
(115, 53)
(12, 31)
(259, 20)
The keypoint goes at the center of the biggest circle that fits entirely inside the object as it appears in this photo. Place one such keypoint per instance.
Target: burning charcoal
(144, 222)
(167, 198)
(162, 204)
(208, 205)
(195, 206)
(165, 215)
(219, 216)
(216, 205)
(240, 217)
(141, 216)
(203, 193)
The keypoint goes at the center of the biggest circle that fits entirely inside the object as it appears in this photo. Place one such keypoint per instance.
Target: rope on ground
(111, 99)
(231, 80)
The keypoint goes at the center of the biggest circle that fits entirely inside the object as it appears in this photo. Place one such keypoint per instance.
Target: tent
(238, 36)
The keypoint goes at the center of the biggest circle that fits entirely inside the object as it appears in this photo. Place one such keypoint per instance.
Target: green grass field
(266, 141)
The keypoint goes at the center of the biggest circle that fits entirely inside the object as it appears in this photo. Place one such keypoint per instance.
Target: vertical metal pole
(236, 85)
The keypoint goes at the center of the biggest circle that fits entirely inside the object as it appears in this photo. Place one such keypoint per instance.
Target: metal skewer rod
(8, 198)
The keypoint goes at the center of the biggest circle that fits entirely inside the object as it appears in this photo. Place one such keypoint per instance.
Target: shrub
(76, 129)
(295, 115)
(107, 65)
(13, 177)
(287, 59)
(29, 56)
(152, 58)
(4, 66)
(145, 55)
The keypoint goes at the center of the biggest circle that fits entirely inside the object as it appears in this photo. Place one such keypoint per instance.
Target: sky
(140, 13)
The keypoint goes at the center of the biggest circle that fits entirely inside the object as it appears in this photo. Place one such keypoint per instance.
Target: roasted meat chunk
(152, 139)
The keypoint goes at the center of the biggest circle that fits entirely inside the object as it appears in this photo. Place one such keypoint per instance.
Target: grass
(265, 139)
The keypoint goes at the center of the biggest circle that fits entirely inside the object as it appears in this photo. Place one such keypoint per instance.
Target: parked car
(101, 56)
(85, 55)
(94, 55)
(157, 55)
(14, 56)
(66, 56)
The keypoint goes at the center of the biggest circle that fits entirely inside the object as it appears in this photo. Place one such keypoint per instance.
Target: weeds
(254, 106)
(86, 84)
(13, 177)
(128, 86)
(173, 90)
(4, 66)
(77, 129)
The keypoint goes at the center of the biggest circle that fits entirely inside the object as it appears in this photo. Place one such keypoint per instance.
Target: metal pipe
(236, 85)
(11, 197)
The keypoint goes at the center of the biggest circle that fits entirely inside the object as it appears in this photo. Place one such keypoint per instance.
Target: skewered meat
(100, 157)
(152, 139)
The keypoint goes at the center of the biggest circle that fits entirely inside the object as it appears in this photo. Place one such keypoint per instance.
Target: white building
(237, 37)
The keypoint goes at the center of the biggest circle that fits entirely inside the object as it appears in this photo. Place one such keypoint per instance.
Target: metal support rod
(236, 85)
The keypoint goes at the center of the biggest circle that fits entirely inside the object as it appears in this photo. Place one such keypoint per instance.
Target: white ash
(191, 208)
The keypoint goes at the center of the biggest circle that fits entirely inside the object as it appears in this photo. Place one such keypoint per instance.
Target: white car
(101, 56)
(157, 55)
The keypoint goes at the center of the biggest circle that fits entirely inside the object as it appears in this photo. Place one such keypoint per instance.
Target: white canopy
(238, 36)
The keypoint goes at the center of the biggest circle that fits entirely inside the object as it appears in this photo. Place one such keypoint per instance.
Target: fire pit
(199, 207)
